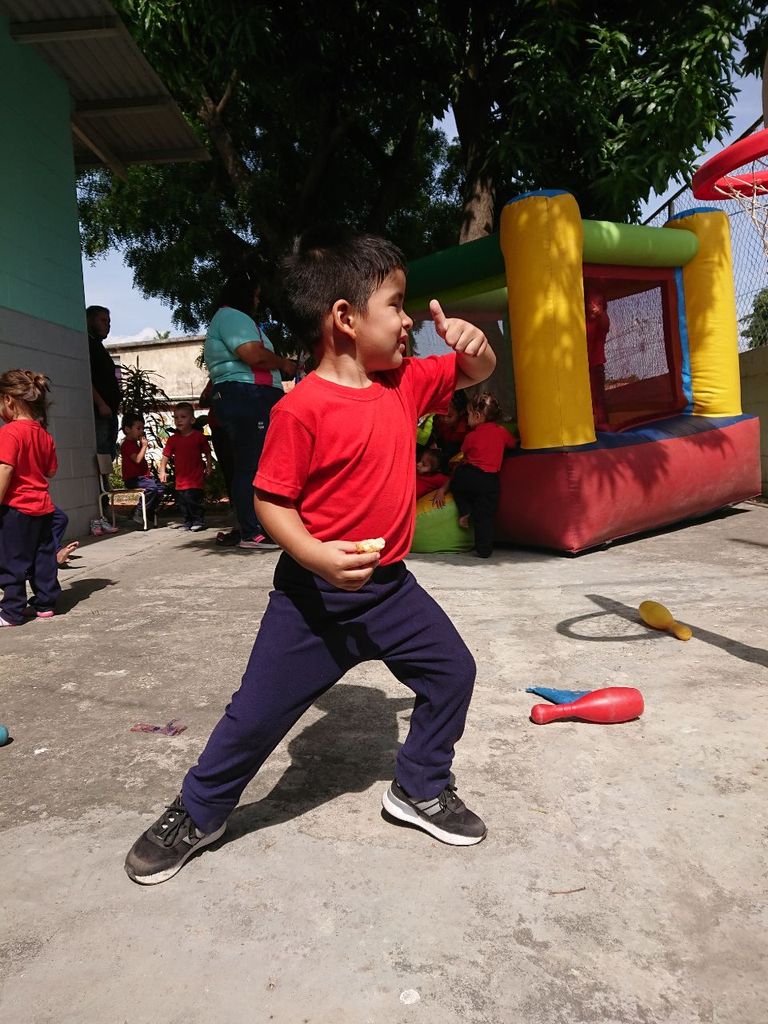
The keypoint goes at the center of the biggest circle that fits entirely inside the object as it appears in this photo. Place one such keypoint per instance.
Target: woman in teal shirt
(247, 381)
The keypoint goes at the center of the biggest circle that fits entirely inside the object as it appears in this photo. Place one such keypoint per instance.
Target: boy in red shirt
(135, 468)
(27, 461)
(475, 482)
(428, 475)
(191, 456)
(336, 471)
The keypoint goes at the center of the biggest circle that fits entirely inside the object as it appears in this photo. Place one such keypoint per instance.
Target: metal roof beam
(127, 105)
(90, 139)
(153, 156)
(65, 30)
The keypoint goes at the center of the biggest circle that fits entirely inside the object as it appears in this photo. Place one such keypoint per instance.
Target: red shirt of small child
(187, 451)
(484, 446)
(29, 448)
(428, 475)
(429, 482)
(129, 468)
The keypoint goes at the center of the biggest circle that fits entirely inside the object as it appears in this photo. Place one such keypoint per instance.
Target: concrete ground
(623, 878)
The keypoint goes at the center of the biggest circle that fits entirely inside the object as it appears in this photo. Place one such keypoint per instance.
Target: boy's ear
(343, 317)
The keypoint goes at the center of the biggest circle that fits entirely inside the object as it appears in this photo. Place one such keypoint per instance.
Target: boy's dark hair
(487, 406)
(331, 263)
(90, 310)
(185, 405)
(129, 419)
(238, 292)
(434, 456)
(459, 401)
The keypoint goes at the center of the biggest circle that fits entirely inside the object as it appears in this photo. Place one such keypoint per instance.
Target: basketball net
(745, 189)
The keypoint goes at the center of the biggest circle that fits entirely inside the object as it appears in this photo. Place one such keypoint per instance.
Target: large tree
(325, 111)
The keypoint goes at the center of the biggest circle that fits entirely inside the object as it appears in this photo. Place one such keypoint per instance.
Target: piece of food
(364, 547)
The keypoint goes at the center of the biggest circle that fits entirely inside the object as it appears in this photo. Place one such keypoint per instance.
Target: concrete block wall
(42, 315)
(754, 398)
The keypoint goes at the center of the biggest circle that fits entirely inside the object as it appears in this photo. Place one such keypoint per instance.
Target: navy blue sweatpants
(311, 634)
(27, 551)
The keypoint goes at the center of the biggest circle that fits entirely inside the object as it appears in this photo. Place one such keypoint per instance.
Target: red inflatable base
(574, 500)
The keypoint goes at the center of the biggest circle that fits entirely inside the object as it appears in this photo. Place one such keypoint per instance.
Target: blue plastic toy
(557, 696)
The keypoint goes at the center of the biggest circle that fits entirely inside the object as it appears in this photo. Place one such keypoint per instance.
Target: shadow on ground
(755, 655)
(80, 590)
(350, 748)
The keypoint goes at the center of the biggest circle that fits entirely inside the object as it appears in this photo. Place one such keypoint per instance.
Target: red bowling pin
(607, 706)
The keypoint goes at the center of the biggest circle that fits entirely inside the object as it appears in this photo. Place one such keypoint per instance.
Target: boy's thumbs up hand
(459, 335)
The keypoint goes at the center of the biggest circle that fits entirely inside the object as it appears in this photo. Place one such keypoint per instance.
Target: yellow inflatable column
(542, 243)
(710, 308)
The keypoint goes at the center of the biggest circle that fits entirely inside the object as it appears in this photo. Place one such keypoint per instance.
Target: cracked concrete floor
(623, 878)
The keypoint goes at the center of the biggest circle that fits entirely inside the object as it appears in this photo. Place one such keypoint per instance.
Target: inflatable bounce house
(626, 371)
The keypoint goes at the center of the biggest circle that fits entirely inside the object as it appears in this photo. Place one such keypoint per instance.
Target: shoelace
(448, 797)
(172, 823)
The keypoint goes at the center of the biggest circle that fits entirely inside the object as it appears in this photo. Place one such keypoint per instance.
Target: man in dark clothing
(104, 385)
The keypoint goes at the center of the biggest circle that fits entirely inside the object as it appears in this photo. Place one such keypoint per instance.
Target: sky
(108, 282)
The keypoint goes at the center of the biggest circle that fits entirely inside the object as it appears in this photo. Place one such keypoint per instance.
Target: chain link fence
(750, 267)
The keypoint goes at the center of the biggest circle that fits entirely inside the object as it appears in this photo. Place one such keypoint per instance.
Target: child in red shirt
(27, 461)
(335, 487)
(135, 468)
(450, 429)
(428, 475)
(191, 456)
(475, 482)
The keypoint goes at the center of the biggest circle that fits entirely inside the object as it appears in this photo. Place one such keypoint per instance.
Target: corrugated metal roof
(123, 113)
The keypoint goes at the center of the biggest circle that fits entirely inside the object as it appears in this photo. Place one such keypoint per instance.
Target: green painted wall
(40, 270)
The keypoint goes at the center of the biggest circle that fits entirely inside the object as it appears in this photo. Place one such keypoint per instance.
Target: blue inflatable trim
(539, 192)
(648, 433)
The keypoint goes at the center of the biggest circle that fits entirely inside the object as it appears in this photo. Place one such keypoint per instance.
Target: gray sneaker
(167, 845)
(444, 816)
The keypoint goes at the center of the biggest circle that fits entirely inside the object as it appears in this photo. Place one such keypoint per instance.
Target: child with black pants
(191, 456)
(27, 461)
(475, 482)
(335, 487)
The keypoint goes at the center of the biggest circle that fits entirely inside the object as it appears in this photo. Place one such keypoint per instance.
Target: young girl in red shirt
(27, 461)
(475, 482)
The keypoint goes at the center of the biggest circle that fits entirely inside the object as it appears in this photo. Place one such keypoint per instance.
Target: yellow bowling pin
(657, 616)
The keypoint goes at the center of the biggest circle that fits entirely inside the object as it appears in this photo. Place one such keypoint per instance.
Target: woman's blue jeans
(243, 410)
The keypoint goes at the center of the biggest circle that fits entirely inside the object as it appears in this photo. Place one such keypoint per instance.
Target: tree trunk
(479, 209)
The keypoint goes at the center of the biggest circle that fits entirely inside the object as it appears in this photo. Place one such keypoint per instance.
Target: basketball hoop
(739, 172)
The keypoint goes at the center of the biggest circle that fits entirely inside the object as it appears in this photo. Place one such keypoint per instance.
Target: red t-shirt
(444, 434)
(29, 448)
(187, 454)
(428, 482)
(345, 456)
(130, 469)
(484, 446)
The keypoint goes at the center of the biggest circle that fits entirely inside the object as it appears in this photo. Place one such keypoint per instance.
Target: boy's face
(426, 465)
(450, 418)
(183, 420)
(382, 330)
(136, 431)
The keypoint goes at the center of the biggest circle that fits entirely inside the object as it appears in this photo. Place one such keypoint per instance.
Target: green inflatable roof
(473, 274)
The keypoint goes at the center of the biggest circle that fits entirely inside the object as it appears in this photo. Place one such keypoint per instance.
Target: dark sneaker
(165, 848)
(445, 817)
(259, 543)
